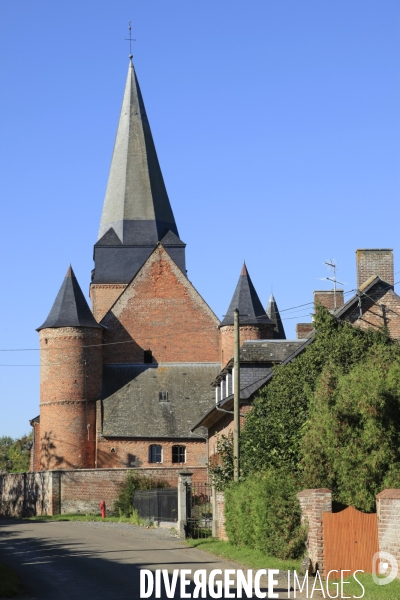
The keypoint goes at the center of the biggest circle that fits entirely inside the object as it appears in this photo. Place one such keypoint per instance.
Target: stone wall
(27, 494)
(74, 491)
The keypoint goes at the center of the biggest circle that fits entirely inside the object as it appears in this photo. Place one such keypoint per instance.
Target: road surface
(96, 561)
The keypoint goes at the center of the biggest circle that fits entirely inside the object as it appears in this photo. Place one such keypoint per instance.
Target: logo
(386, 565)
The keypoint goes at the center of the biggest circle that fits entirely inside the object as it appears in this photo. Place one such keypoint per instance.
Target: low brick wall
(313, 503)
(388, 512)
(63, 492)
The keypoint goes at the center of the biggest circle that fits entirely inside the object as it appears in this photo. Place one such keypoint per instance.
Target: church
(122, 383)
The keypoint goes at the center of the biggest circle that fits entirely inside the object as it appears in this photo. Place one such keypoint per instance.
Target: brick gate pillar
(313, 503)
(218, 509)
(184, 496)
(388, 512)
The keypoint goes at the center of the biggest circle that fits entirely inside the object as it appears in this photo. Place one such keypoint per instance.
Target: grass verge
(391, 591)
(134, 519)
(254, 559)
(257, 560)
(9, 583)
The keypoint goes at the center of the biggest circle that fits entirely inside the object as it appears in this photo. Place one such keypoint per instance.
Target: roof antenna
(130, 40)
(331, 264)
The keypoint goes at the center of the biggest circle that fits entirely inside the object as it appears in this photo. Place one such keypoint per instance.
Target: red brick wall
(380, 308)
(219, 507)
(70, 382)
(137, 452)
(327, 299)
(103, 296)
(161, 311)
(388, 511)
(303, 329)
(224, 427)
(313, 503)
(374, 262)
(34, 463)
(247, 332)
(54, 492)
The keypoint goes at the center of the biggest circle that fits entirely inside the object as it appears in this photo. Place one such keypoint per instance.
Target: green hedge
(263, 513)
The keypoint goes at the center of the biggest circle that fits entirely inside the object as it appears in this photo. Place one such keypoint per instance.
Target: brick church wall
(161, 311)
(103, 296)
(120, 453)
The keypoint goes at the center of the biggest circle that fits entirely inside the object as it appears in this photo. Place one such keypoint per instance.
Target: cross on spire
(130, 39)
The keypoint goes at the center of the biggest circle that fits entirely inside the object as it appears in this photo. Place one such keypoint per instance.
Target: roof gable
(160, 310)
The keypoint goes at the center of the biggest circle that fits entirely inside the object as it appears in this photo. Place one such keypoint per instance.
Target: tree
(15, 453)
(352, 439)
(273, 431)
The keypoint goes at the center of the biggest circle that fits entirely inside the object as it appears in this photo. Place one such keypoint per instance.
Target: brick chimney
(303, 329)
(327, 299)
(371, 263)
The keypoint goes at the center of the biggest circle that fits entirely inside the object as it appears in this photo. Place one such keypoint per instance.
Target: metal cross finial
(130, 39)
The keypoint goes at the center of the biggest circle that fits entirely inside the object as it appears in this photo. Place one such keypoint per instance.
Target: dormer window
(163, 396)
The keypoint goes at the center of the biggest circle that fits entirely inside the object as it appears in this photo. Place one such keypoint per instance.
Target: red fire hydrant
(103, 509)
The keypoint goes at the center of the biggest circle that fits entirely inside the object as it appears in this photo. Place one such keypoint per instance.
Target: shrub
(222, 473)
(135, 481)
(263, 513)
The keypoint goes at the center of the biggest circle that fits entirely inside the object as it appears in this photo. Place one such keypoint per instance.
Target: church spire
(273, 313)
(245, 298)
(136, 204)
(136, 213)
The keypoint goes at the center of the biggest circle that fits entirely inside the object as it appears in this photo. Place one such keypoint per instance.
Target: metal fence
(157, 505)
(199, 511)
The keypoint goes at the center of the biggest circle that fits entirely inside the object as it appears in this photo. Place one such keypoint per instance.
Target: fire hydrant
(103, 509)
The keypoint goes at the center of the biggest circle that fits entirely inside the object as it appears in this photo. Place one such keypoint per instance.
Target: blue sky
(277, 128)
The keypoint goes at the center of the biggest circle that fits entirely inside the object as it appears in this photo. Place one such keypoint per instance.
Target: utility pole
(236, 397)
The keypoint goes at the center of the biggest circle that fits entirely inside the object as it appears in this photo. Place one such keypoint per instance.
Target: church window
(163, 396)
(147, 356)
(178, 454)
(155, 453)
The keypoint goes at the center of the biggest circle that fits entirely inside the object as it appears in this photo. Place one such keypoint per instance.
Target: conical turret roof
(273, 313)
(246, 300)
(136, 204)
(70, 308)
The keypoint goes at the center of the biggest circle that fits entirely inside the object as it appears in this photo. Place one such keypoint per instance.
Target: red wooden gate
(350, 540)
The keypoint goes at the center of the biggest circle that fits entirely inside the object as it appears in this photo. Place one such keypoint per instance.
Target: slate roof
(273, 313)
(246, 393)
(131, 405)
(136, 203)
(246, 300)
(262, 352)
(70, 308)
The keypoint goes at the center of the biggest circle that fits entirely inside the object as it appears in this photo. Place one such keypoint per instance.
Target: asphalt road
(96, 561)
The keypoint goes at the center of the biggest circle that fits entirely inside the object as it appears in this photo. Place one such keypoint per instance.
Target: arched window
(155, 453)
(178, 454)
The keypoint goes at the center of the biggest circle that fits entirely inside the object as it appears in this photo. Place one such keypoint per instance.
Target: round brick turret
(70, 381)
(70, 372)
(254, 323)
(247, 332)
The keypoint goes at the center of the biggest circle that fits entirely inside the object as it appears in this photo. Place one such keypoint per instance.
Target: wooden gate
(350, 540)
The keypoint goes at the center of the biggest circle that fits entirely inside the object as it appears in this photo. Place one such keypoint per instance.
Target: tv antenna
(332, 266)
